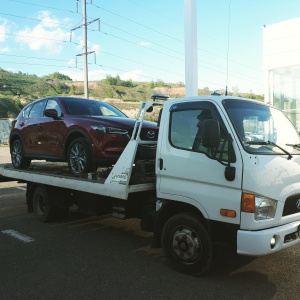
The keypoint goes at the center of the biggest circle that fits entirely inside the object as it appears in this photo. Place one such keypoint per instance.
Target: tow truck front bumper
(267, 241)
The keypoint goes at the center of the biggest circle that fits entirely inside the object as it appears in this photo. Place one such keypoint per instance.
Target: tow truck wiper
(271, 143)
(294, 145)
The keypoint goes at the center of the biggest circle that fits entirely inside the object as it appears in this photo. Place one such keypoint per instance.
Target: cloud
(134, 75)
(47, 20)
(78, 75)
(4, 50)
(96, 48)
(3, 29)
(99, 74)
(144, 44)
(46, 35)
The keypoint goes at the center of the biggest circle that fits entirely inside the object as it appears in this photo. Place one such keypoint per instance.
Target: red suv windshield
(75, 106)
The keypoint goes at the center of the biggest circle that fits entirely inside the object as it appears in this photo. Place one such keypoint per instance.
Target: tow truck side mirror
(211, 134)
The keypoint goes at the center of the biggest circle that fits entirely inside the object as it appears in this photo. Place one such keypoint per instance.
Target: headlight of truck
(106, 129)
(265, 208)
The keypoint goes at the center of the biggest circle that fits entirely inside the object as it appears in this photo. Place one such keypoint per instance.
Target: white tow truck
(227, 172)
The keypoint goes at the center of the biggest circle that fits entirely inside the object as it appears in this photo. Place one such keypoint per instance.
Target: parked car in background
(83, 132)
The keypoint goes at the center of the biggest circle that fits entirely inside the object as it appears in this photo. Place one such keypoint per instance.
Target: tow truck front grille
(292, 205)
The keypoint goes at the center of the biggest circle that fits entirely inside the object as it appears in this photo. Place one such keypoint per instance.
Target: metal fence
(5, 128)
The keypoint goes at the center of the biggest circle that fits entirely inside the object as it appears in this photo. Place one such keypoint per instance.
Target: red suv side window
(37, 110)
(52, 104)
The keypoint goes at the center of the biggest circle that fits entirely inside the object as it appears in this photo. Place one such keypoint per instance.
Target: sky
(141, 40)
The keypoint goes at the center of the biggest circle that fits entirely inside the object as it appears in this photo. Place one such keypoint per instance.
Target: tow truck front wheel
(187, 244)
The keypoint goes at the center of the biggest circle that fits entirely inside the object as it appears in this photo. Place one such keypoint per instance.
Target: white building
(281, 56)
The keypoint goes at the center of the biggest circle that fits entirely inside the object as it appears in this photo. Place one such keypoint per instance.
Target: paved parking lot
(100, 257)
(82, 257)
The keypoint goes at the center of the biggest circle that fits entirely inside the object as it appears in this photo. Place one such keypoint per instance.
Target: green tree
(73, 89)
(58, 88)
(57, 75)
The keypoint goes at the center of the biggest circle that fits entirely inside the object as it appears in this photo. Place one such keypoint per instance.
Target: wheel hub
(77, 158)
(186, 245)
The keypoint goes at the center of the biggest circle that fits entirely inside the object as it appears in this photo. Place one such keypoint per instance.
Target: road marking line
(17, 235)
(21, 188)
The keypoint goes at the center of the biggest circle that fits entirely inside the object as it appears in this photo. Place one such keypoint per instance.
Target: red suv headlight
(105, 129)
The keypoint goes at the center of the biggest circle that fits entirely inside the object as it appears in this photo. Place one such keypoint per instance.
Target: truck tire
(17, 156)
(79, 157)
(43, 208)
(187, 244)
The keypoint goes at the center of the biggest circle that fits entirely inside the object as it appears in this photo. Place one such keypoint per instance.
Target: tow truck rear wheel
(43, 208)
(187, 244)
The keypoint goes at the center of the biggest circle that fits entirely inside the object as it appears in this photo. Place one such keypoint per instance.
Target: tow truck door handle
(161, 163)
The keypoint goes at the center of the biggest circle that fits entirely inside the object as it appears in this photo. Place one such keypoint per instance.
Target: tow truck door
(192, 175)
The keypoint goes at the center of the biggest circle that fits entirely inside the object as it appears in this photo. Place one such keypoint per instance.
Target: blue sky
(141, 40)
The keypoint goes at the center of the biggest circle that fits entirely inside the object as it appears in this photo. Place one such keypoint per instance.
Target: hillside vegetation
(18, 89)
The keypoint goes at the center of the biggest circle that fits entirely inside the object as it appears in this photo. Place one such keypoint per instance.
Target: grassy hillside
(18, 89)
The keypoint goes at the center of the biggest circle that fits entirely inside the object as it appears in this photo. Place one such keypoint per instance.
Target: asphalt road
(84, 257)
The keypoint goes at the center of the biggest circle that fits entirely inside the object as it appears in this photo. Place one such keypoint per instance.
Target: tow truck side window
(185, 130)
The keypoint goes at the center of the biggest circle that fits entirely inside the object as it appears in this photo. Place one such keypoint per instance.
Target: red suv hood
(120, 122)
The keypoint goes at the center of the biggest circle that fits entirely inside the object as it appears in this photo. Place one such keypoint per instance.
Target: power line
(155, 12)
(136, 23)
(32, 57)
(199, 49)
(150, 66)
(127, 40)
(35, 37)
(32, 64)
(33, 19)
(166, 35)
(147, 48)
(143, 38)
(44, 6)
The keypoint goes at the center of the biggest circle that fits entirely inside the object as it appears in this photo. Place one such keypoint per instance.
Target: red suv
(83, 132)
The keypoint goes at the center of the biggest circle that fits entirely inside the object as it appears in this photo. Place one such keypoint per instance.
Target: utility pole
(85, 52)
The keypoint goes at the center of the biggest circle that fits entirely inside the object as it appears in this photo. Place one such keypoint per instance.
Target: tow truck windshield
(263, 129)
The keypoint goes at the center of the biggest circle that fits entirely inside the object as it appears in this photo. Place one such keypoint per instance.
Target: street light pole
(191, 59)
(84, 29)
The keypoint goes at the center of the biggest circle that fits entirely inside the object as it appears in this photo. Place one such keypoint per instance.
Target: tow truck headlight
(262, 207)
(265, 208)
(106, 129)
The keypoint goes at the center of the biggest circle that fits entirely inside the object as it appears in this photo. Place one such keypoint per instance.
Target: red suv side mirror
(51, 113)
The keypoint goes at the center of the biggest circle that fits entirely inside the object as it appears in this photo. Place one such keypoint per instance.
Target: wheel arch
(168, 210)
(14, 136)
(59, 199)
(73, 134)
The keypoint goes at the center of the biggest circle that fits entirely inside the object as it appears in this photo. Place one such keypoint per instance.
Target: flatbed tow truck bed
(125, 177)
